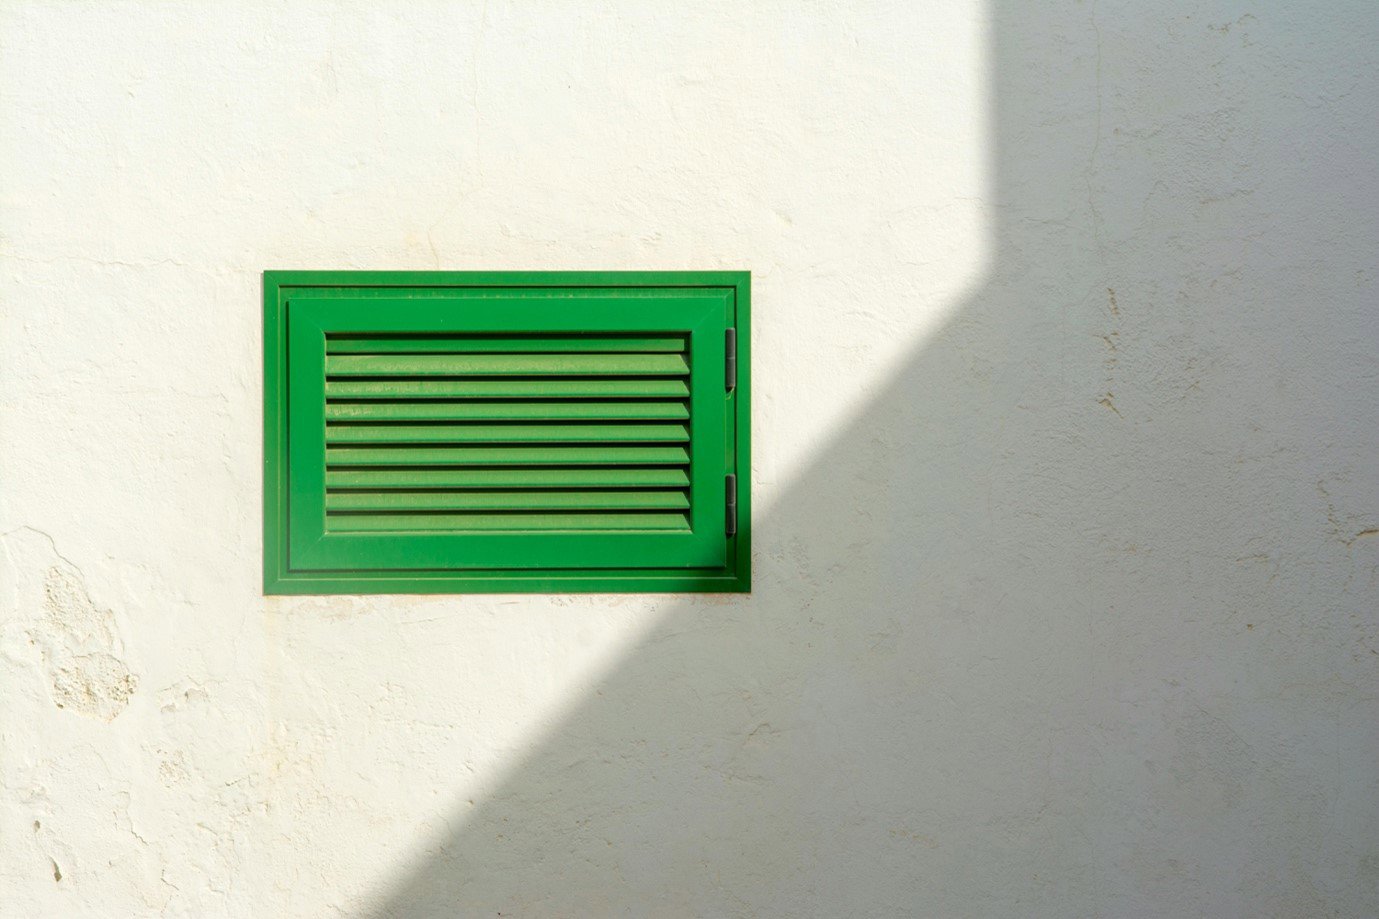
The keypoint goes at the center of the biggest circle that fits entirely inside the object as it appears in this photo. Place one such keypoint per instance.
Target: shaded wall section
(1078, 616)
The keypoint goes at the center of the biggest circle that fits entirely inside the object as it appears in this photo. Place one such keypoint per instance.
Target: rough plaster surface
(1066, 368)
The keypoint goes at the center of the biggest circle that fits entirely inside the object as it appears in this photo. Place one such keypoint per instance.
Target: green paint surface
(439, 432)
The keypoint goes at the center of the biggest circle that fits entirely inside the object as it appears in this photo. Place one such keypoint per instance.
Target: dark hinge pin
(730, 357)
(731, 481)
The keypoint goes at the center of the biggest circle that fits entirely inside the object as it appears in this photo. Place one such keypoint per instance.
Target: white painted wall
(1067, 416)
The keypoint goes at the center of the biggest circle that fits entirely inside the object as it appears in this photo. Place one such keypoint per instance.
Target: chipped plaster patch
(78, 640)
(98, 685)
(79, 645)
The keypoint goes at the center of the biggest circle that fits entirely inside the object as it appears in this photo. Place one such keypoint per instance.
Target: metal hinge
(730, 358)
(731, 482)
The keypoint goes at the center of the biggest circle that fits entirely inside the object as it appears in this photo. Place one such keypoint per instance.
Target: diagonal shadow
(1009, 652)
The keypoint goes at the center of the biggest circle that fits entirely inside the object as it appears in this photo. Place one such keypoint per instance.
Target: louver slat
(507, 478)
(508, 500)
(357, 523)
(509, 456)
(503, 433)
(454, 344)
(506, 365)
(547, 458)
(550, 388)
(504, 411)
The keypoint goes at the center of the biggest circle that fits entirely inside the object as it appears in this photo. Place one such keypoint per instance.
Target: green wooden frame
(300, 306)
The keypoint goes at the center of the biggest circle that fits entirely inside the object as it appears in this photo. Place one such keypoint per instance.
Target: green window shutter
(447, 432)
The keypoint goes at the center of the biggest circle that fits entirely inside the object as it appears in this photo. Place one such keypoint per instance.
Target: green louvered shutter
(511, 432)
(478, 432)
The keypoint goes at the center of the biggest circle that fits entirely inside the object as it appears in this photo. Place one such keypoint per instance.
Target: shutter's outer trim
(280, 578)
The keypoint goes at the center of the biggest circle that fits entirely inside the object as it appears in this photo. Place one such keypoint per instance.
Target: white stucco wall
(1067, 463)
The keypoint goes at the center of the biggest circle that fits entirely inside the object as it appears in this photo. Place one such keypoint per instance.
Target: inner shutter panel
(507, 432)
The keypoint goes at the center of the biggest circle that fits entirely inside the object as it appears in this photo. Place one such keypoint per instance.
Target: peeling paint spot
(923, 839)
(97, 684)
(79, 641)
(183, 695)
(1111, 339)
(173, 769)
(1340, 527)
